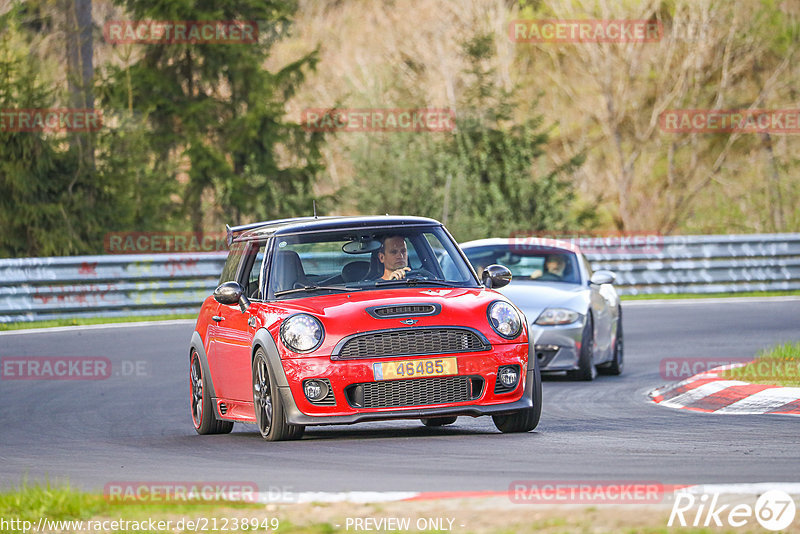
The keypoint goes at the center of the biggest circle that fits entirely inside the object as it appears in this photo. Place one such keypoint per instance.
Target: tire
(296, 432)
(270, 416)
(203, 413)
(586, 369)
(527, 419)
(617, 364)
(438, 421)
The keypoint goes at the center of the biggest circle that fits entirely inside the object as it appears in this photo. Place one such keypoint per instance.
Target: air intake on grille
(403, 310)
(410, 342)
(415, 392)
(223, 408)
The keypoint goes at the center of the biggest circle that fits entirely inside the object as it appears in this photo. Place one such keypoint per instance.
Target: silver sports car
(575, 316)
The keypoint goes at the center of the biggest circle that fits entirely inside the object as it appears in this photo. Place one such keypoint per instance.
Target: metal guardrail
(708, 264)
(35, 289)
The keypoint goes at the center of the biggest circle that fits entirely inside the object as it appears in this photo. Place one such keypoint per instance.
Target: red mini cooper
(339, 320)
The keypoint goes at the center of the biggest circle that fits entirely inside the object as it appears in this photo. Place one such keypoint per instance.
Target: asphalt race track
(136, 425)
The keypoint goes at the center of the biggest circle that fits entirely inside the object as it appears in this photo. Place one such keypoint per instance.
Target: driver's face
(395, 254)
(555, 264)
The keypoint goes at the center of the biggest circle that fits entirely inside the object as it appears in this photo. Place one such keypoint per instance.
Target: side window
(588, 267)
(253, 264)
(232, 263)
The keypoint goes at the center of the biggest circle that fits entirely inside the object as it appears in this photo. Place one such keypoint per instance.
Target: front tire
(586, 369)
(438, 421)
(270, 415)
(527, 419)
(617, 364)
(203, 416)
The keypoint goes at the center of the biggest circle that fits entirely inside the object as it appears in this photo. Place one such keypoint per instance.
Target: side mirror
(496, 276)
(603, 277)
(228, 293)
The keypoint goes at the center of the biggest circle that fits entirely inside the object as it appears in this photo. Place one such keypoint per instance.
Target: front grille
(410, 342)
(414, 392)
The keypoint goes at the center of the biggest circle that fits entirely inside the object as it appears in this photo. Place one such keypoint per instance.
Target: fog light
(315, 390)
(508, 376)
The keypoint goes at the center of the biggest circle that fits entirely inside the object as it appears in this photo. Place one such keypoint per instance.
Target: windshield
(528, 263)
(352, 260)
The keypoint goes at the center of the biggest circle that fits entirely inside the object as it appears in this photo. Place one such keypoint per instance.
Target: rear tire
(527, 419)
(438, 421)
(617, 364)
(586, 369)
(270, 415)
(203, 412)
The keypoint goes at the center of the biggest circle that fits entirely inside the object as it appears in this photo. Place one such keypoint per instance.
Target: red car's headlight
(504, 319)
(302, 333)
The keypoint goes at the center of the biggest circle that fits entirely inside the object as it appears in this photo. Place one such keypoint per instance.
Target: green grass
(779, 365)
(30, 502)
(94, 320)
(63, 503)
(711, 295)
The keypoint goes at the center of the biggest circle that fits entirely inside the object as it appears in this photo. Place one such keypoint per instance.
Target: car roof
(315, 224)
(522, 242)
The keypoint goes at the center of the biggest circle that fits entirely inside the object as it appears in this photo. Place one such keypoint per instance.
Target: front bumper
(343, 374)
(557, 348)
(296, 417)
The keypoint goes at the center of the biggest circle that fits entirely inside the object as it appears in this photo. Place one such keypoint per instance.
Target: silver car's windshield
(335, 261)
(544, 264)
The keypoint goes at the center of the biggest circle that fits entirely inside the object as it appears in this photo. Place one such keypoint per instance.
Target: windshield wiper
(415, 281)
(309, 289)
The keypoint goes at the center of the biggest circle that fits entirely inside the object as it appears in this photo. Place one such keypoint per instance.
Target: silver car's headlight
(552, 316)
(302, 333)
(505, 319)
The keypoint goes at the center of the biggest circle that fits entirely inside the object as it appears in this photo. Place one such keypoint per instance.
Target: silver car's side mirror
(603, 277)
(496, 276)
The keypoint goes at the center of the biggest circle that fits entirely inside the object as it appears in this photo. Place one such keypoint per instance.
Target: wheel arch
(196, 344)
(264, 340)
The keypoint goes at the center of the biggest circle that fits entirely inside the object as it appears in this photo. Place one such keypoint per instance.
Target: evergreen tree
(35, 169)
(217, 114)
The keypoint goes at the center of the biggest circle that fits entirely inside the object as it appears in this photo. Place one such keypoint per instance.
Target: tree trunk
(80, 70)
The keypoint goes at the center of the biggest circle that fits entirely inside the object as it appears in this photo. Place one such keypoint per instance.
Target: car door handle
(217, 318)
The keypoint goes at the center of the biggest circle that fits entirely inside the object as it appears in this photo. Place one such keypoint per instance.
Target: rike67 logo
(774, 510)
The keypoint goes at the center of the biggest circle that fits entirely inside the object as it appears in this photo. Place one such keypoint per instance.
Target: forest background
(559, 138)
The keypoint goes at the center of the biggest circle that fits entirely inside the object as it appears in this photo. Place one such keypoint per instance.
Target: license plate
(415, 368)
